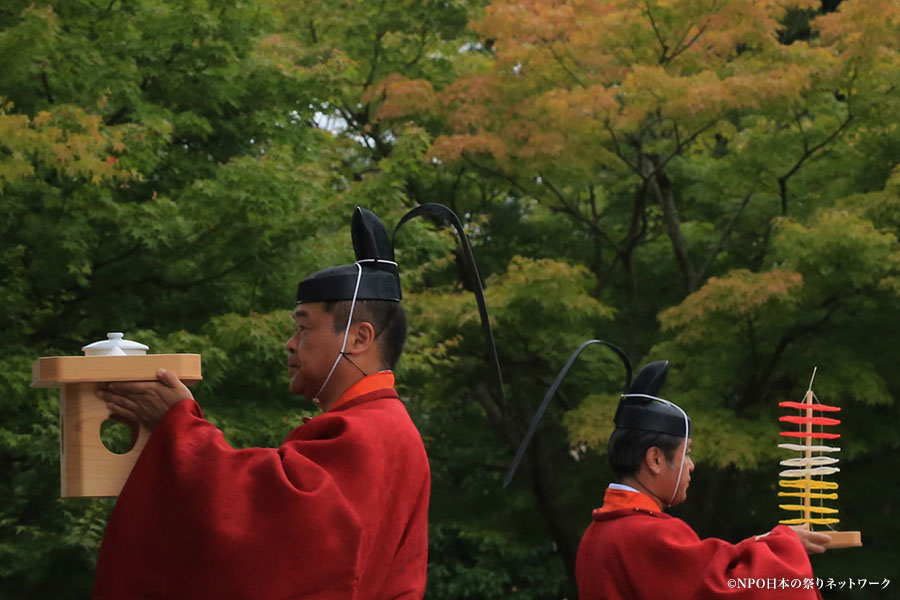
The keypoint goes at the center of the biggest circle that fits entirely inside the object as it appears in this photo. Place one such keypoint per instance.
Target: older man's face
(312, 349)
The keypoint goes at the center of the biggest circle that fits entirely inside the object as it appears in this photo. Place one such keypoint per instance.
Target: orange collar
(370, 383)
(618, 499)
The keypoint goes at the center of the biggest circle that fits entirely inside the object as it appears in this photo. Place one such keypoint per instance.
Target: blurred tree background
(711, 182)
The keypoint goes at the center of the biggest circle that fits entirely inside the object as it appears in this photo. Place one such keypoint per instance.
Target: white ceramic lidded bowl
(114, 345)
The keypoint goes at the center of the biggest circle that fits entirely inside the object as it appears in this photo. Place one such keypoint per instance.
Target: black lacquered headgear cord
(442, 212)
(536, 420)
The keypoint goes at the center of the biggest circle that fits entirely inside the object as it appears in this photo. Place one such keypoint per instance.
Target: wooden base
(843, 539)
(87, 467)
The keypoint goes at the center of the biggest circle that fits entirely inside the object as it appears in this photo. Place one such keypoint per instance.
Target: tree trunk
(662, 187)
(556, 518)
(511, 424)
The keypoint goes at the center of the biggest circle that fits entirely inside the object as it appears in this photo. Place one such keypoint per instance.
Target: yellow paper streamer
(810, 521)
(814, 509)
(811, 483)
(809, 495)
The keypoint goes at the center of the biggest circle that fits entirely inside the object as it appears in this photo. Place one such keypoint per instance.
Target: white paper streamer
(809, 472)
(812, 461)
(801, 448)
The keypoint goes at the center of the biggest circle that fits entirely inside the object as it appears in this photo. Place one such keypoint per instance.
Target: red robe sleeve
(635, 554)
(338, 511)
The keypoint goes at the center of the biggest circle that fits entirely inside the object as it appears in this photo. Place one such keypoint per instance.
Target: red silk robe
(338, 511)
(633, 551)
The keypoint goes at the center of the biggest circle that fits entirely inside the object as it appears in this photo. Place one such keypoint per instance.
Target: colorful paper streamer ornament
(806, 482)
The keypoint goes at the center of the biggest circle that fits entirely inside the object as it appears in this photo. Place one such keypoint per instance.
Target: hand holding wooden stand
(87, 467)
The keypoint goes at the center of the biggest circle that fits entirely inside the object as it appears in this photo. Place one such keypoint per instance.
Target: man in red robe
(633, 550)
(338, 511)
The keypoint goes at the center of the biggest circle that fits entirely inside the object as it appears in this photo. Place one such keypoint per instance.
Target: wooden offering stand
(87, 467)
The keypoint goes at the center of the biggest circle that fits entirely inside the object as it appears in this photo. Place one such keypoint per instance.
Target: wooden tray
(843, 539)
(55, 370)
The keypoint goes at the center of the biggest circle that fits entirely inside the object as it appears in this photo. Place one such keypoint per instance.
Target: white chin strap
(337, 359)
(686, 433)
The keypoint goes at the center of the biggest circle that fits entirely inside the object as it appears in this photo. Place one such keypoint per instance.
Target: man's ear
(653, 459)
(362, 337)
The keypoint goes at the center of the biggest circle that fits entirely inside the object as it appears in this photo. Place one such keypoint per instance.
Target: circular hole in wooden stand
(119, 437)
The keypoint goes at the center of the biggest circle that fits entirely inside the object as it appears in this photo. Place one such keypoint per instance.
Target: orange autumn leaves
(582, 76)
(838, 255)
(741, 294)
(66, 140)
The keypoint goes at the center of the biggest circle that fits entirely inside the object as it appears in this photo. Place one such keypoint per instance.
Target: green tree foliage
(719, 176)
(147, 176)
(715, 183)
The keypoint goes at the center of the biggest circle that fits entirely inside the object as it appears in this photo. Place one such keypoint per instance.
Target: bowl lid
(115, 345)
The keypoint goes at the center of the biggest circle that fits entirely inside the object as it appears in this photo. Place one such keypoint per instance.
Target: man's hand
(145, 402)
(813, 541)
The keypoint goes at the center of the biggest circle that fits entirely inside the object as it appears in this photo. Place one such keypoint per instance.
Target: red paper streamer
(813, 420)
(802, 406)
(813, 434)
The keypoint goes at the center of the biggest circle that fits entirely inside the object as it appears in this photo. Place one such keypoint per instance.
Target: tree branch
(701, 274)
(690, 43)
(618, 148)
(753, 390)
(808, 153)
(376, 55)
(564, 67)
(47, 91)
(421, 51)
(573, 211)
(497, 174)
(593, 198)
(664, 48)
(680, 145)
